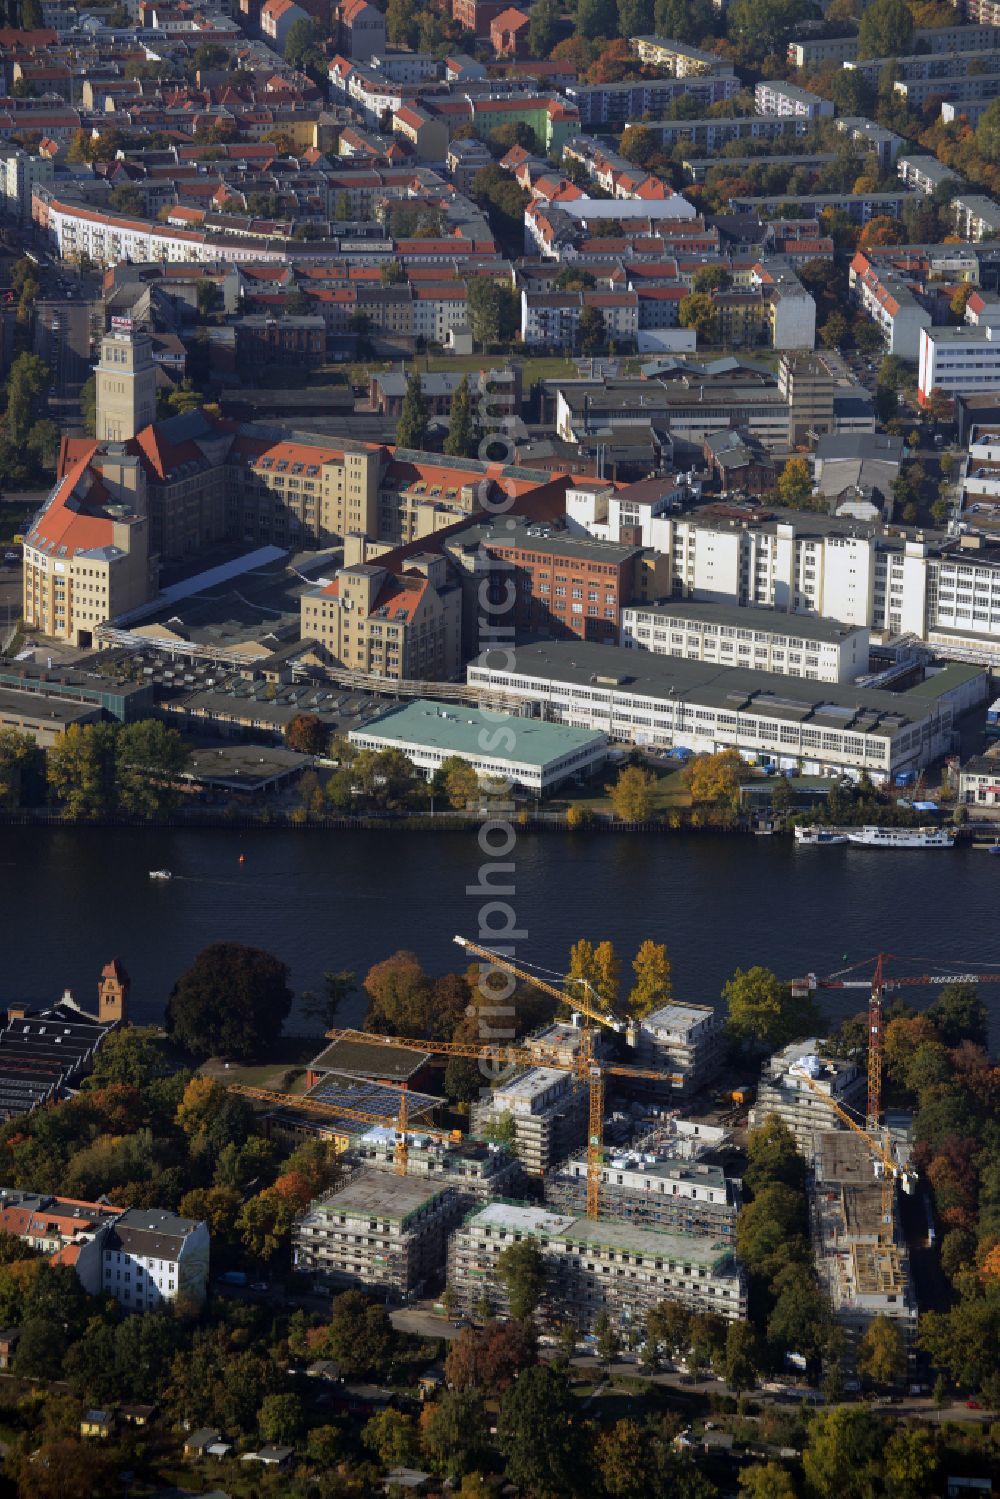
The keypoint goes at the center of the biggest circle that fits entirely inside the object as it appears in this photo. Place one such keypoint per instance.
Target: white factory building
(821, 650)
(818, 728)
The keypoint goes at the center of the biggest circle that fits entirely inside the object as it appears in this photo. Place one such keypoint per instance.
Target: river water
(329, 900)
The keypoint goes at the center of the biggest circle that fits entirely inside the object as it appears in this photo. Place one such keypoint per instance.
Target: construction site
(622, 1226)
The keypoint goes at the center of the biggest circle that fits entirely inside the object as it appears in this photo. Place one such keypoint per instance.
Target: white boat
(160, 874)
(873, 837)
(819, 835)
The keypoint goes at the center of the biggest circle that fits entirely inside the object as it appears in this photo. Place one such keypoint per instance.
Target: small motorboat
(160, 874)
(994, 849)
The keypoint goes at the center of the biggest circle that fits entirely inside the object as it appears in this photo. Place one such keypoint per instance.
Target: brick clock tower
(112, 990)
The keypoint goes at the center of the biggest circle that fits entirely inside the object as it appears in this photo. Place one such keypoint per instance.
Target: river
(331, 900)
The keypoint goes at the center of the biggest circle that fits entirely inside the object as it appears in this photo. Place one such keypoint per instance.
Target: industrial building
(386, 1233)
(532, 755)
(818, 728)
(685, 1042)
(805, 1106)
(820, 650)
(548, 1110)
(677, 1196)
(864, 1269)
(594, 1266)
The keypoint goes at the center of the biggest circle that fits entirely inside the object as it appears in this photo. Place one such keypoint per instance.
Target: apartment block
(676, 58)
(773, 96)
(976, 217)
(890, 303)
(652, 1191)
(618, 103)
(804, 1106)
(548, 1109)
(383, 1232)
(151, 1258)
(594, 1266)
(685, 1041)
(925, 173)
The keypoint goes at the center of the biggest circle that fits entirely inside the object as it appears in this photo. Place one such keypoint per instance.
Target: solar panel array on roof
(370, 1098)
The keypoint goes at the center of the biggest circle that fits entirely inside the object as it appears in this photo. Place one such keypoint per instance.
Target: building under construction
(317, 1114)
(862, 1261)
(547, 1110)
(383, 1232)
(475, 1170)
(594, 1266)
(805, 1106)
(653, 1191)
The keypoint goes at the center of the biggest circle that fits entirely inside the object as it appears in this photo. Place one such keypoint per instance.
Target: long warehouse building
(820, 728)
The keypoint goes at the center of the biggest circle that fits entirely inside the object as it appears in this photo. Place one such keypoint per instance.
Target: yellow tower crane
(399, 1121)
(584, 1065)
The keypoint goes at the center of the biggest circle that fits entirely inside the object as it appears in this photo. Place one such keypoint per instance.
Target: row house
(891, 305)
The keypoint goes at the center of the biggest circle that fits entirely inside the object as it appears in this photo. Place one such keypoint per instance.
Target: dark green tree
(521, 1268)
(461, 440)
(230, 1002)
(414, 417)
(886, 29)
(536, 1437)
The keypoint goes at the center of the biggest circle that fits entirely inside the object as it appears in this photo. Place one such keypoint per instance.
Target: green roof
(469, 731)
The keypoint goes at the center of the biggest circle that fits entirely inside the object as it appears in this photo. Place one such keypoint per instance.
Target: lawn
(534, 367)
(669, 794)
(284, 1072)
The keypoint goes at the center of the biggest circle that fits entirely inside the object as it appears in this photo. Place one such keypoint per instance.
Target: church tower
(126, 383)
(112, 991)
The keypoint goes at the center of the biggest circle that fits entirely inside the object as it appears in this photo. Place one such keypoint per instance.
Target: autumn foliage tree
(490, 1358)
(632, 794)
(716, 779)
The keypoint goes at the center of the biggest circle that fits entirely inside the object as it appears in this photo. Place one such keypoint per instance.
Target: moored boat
(160, 874)
(875, 837)
(819, 835)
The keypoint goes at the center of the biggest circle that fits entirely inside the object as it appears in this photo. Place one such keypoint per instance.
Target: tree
(392, 1436)
(461, 439)
(758, 28)
(414, 418)
(490, 1358)
(264, 1224)
(773, 1156)
(833, 332)
(632, 794)
(18, 753)
(625, 1461)
(80, 769)
(882, 231)
(760, 1009)
(459, 782)
(281, 1419)
(128, 199)
(454, 1433)
(592, 332)
(911, 1463)
(608, 1341)
(67, 1469)
(653, 985)
(709, 278)
(958, 1014)
(543, 28)
(521, 1268)
(307, 734)
(484, 305)
(596, 18)
(766, 1481)
(842, 1457)
(716, 779)
(229, 1002)
(336, 988)
(795, 484)
(149, 761)
(40, 1349)
(27, 384)
(886, 29)
(400, 996)
(536, 1436)
(697, 311)
(639, 144)
(360, 1336)
(300, 41)
(882, 1353)
(739, 1362)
